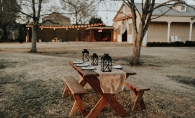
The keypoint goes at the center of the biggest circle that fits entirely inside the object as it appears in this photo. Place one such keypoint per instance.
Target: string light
(66, 27)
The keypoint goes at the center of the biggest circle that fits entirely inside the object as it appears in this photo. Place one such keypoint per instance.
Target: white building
(178, 22)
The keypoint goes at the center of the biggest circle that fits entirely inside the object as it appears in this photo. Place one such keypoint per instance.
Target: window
(183, 8)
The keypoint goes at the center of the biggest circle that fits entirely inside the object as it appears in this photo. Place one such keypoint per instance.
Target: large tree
(80, 11)
(141, 20)
(6, 14)
(94, 20)
(32, 12)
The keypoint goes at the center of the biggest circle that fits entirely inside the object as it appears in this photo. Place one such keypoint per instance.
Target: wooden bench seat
(138, 90)
(76, 90)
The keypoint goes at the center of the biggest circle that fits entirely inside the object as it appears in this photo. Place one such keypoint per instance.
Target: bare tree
(80, 10)
(141, 20)
(32, 12)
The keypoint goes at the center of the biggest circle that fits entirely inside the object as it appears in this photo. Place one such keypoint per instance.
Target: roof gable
(123, 13)
(189, 12)
(56, 19)
(174, 12)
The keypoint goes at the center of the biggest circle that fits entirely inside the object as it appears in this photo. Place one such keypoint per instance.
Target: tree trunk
(136, 51)
(34, 39)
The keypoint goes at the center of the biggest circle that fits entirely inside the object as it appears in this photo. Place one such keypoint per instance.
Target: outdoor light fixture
(106, 63)
(94, 59)
(85, 55)
(99, 30)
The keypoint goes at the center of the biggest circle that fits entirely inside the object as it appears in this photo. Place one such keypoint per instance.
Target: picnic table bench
(138, 90)
(76, 90)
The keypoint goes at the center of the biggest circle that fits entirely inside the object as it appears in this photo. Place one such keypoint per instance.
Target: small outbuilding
(100, 33)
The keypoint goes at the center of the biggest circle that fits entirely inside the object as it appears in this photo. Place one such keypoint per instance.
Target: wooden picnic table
(91, 77)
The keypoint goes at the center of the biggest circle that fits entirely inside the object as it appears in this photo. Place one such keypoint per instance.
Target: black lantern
(85, 55)
(94, 59)
(106, 63)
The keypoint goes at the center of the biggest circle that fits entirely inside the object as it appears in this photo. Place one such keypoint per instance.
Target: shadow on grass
(144, 61)
(184, 80)
(60, 53)
(31, 99)
(5, 63)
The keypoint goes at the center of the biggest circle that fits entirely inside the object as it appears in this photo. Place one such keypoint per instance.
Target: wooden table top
(93, 73)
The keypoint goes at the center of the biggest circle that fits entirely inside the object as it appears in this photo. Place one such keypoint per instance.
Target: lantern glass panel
(94, 59)
(106, 63)
(85, 56)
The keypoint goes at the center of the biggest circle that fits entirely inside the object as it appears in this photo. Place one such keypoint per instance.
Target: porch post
(168, 32)
(91, 35)
(112, 35)
(144, 42)
(190, 36)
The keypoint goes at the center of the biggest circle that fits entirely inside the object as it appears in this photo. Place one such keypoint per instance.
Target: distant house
(56, 19)
(178, 22)
(57, 27)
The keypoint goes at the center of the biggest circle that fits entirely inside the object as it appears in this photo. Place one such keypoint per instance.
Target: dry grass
(31, 85)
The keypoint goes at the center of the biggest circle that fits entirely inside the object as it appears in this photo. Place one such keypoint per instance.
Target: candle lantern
(94, 59)
(106, 63)
(85, 55)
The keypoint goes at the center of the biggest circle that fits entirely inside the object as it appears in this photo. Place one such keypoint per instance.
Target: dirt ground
(31, 84)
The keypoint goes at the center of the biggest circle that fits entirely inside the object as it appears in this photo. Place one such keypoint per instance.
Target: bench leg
(66, 90)
(139, 103)
(78, 105)
(74, 109)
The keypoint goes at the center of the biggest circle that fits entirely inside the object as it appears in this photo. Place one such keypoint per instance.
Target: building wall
(96, 35)
(181, 30)
(47, 34)
(157, 32)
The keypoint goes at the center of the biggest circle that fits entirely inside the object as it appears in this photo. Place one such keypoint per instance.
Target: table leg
(97, 109)
(109, 98)
(82, 81)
